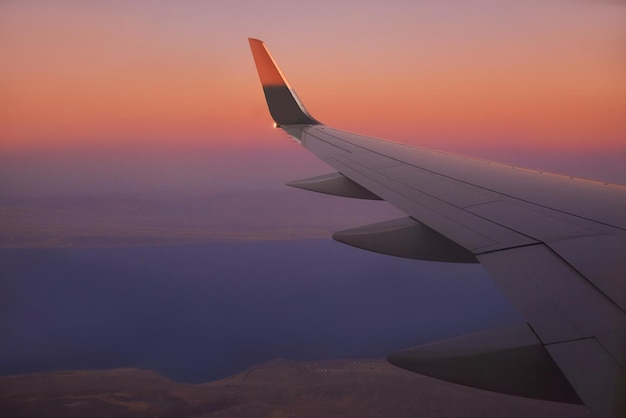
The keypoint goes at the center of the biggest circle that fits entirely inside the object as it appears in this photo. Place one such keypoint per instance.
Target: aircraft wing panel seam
(384, 193)
(609, 354)
(537, 289)
(513, 247)
(564, 341)
(463, 181)
(587, 279)
(362, 170)
(598, 183)
(567, 263)
(453, 206)
(571, 340)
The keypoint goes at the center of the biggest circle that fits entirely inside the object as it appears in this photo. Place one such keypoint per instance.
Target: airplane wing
(555, 244)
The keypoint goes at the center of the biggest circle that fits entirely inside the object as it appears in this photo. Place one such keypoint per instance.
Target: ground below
(348, 388)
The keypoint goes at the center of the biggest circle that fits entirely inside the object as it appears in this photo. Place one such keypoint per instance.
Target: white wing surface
(555, 244)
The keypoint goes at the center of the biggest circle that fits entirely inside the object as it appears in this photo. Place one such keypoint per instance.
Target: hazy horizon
(150, 97)
(139, 170)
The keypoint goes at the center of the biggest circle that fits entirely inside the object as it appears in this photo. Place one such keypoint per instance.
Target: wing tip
(284, 104)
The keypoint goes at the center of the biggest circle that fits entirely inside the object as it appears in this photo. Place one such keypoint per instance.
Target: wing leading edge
(556, 245)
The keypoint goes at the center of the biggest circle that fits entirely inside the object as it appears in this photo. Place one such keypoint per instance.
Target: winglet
(283, 103)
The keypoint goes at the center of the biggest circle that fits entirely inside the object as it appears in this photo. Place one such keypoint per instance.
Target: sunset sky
(160, 95)
(143, 208)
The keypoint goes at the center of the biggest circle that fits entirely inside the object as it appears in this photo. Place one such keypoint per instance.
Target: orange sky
(466, 78)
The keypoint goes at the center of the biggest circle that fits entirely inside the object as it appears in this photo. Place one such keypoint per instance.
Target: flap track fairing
(511, 361)
(336, 184)
(406, 238)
